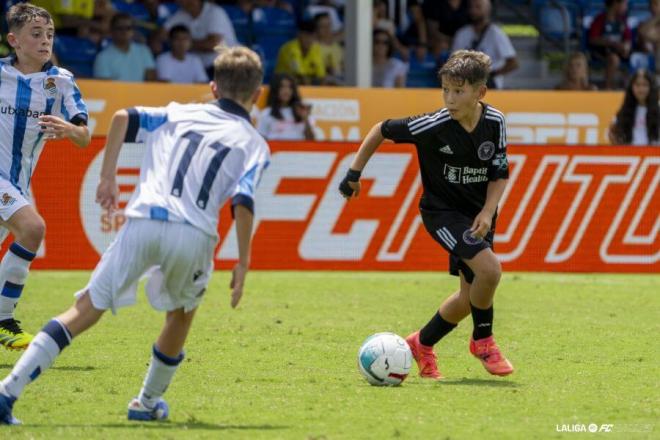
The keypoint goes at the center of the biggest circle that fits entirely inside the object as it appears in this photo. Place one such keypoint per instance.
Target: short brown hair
(467, 65)
(22, 13)
(238, 72)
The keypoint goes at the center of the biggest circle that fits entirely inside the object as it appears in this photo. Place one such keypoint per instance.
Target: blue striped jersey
(23, 99)
(197, 156)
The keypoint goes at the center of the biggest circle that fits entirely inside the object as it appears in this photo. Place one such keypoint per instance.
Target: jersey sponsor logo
(453, 174)
(49, 86)
(471, 239)
(486, 150)
(474, 175)
(7, 200)
(25, 112)
(446, 149)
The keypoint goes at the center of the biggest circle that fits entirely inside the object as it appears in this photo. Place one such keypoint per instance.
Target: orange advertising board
(346, 113)
(568, 209)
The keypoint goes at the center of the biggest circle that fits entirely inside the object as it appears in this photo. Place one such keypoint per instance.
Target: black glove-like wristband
(351, 176)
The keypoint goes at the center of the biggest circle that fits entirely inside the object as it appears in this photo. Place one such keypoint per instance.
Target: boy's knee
(491, 273)
(32, 231)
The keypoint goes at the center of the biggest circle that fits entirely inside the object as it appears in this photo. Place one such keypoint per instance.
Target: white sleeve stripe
(496, 111)
(427, 118)
(500, 123)
(429, 125)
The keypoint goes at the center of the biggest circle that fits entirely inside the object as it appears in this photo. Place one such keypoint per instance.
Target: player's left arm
(484, 220)
(55, 127)
(244, 219)
(498, 177)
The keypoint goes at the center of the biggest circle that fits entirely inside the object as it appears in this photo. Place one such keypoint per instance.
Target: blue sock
(39, 356)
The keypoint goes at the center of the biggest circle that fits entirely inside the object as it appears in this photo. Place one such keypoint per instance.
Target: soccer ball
(384, 359)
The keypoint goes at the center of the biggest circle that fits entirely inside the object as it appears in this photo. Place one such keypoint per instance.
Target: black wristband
(353, 175)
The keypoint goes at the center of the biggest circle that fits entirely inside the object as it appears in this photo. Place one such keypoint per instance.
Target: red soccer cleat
(487, 351)
(427, 362)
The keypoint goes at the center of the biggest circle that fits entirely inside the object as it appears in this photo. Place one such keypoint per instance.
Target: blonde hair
(238, 72)
(467, 65)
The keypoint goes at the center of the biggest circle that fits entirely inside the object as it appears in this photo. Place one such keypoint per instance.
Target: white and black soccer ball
(384, 359)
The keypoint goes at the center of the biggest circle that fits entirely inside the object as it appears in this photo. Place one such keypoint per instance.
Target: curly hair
(625, 117)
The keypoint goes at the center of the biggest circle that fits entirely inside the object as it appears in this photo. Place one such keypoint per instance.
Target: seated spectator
(326, 7)
(413, 31)
(382, 21)
(610, 40)
(286, 116)
(443, 19)
(209, 26)
(648, 34)
(177, 65)
(636, 121)
(487, 37)
(387, 71)
(124, 59)
(301, 57)
(68, 15)
(576, 74)
(331, 51)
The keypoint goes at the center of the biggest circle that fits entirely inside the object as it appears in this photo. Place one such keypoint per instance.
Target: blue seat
(273, 23)
(422, 73)
(76, 54)
(268, 62)
(241, 22)
(551, 20)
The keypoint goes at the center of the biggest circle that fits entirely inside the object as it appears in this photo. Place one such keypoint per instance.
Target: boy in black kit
(464, 168)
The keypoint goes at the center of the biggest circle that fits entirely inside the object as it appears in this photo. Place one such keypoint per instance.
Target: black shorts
(452, 230)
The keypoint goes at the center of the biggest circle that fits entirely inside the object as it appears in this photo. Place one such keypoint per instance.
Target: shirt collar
(44, 68)
(231, 106)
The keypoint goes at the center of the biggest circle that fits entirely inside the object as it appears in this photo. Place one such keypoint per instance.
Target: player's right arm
(397, 130)
(107, 192)
(244, 219)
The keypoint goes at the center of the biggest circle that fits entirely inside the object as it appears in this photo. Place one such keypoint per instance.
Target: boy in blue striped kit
(38, 102)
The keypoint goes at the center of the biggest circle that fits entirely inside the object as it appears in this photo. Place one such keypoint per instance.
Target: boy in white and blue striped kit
(38, 102)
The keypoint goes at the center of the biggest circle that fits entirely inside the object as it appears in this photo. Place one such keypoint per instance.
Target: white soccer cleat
(137, 411)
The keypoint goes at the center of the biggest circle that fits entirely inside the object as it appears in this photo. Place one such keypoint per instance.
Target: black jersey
(456, 166)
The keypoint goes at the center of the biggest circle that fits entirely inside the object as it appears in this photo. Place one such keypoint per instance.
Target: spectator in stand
(124, 59)
(177, 65)
(636, 121)
(576, 74)
(326, 7)
(387, 71)
(443, 19)
(286, 116)
(331, 51)
(610, 40)
(648, 34)
(485, 36)
(411, 28)
(383, 21)
(209, 25)
(301, 57)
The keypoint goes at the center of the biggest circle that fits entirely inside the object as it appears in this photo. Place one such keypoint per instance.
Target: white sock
(39, 356)
(159, 376)
(14, 270)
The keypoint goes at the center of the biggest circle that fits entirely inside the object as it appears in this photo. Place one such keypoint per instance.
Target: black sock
(435, 330)
(483, 322)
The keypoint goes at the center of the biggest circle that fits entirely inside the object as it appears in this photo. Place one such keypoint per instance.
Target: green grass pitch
(283, 365)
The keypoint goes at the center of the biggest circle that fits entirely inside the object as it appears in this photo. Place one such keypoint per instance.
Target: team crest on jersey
(486, 150)
(50, 87)
(7, 200)
(469, 239)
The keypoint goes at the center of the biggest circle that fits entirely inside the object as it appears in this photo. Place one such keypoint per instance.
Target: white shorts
(11, 200)
(177, 258)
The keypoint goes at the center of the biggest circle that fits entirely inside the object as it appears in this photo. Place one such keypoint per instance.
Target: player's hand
(107, 194)
(54, 128)
(236, 285)
(350, 185)
(481, 224)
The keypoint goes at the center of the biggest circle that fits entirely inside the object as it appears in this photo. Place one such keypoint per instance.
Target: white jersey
(23, 98)
(197, 156)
